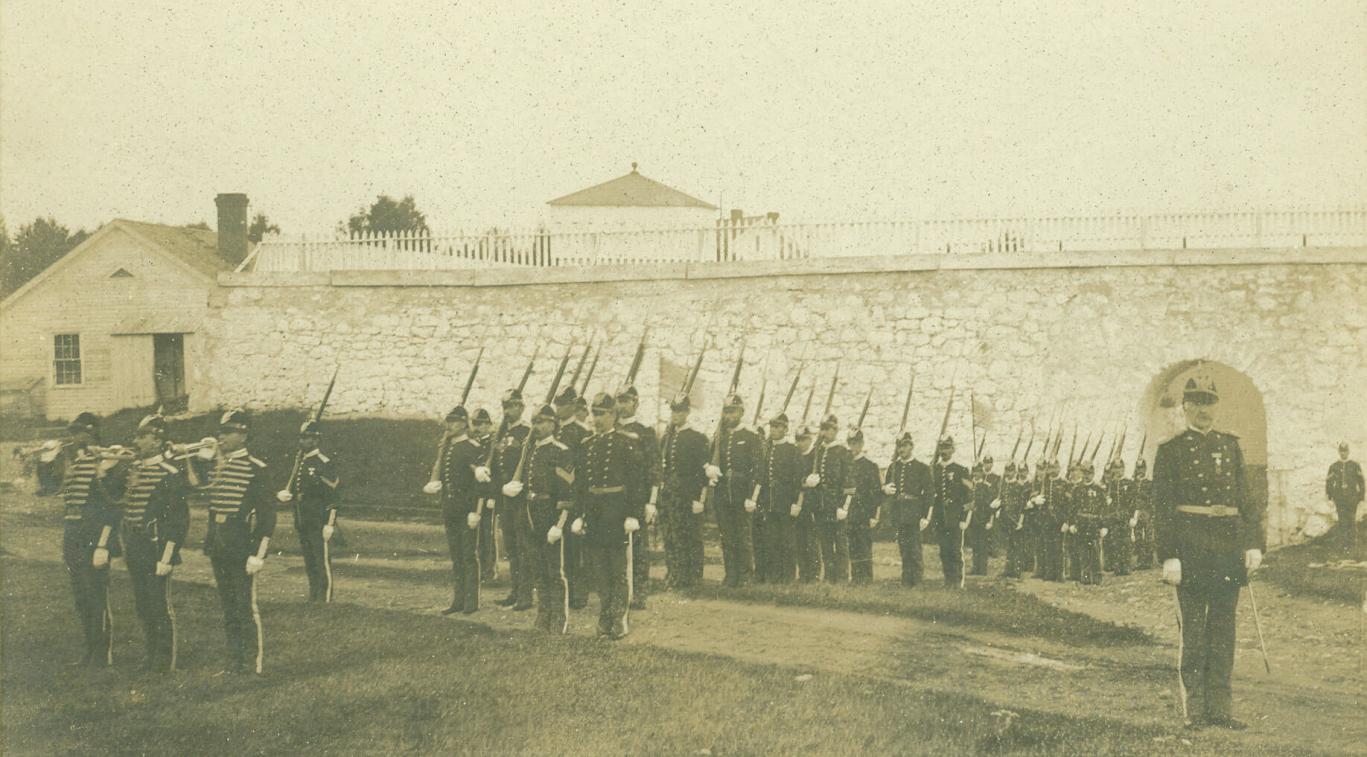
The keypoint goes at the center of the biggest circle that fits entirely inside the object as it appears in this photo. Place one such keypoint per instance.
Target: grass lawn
(1289, 569)
(349, 680)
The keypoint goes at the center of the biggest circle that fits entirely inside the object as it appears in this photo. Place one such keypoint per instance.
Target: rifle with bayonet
(944, 426)
(817, 447)
(286, 494)
(433, 482)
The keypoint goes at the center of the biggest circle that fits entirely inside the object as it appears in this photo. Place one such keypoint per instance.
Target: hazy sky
(486, 110)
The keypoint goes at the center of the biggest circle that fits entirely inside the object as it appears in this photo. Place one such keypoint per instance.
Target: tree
(261, 226)
(36, 246)
(386, 215)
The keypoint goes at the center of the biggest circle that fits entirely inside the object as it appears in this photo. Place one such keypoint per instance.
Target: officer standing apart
(241, 523)
(1344, 487)
(88, 539)
(313, 490)
(606, 481)
(156, 519)
(1210, 537)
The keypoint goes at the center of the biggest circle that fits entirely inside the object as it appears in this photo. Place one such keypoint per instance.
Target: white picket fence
(762, 239)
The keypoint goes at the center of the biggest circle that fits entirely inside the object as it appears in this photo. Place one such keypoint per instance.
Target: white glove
(1063, 529)
(889, 489)
(328, 531)
(925, 522)
(1134, 521)
(1172, 571)
(1252, 559)
(697, 507)
(207, 452)
(254, 565)
(652, 513)
(164, 569)
(795, 510)
(873, 523)
(577, 527)
(101, 558)
(553, 535)
(989, 525)
(812, 481)
(482, 474)
(841, 513)
(1105, 531)
(963, 525)
(712, 471)
(632, 525)
(512, 488)
(996, 503)
(1038, 499)
(750, 505)
(431, 487)
(472, 520)
(1072, 529)
(284, 495)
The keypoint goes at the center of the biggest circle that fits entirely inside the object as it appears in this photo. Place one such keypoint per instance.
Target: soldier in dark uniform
(807, 547)
(156, 520)
(907, 486)
(683, 452)
(549, 500)
(864, 509)
(1015, 496)
(736, 454)
(89, 538)
(649, 447)
(1344, 487)
(482, 431)
(1089, 520)
(1141, 506)
(952, 491)
(780, 477)
(1210, 537)
(606, 486)
(313, 490)
(573, 431)
(986, 501)
(1119, 552)
(828, 501)
(1072, 545)
(507, 456)
(463, 481)
(241, 523)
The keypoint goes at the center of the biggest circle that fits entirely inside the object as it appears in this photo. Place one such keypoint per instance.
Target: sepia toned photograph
(590, 378)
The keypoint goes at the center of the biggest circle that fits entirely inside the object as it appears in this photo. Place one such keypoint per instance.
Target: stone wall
(1087, 335)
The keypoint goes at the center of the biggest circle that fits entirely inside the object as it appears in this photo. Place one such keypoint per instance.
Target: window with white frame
(66, 359)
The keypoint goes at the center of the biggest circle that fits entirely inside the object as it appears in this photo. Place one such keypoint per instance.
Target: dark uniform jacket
(911, 479)
(1344, 484)
(867, 485)
(951, 492)
(649, 447)
(241, 509)
(780, 477)
(683, 452)
(314, 490)
(1118, 498)
(1089, 506)
(155, 507)
(91, 503)
(1141, 496)
(1014, 496)
(739, 451)
(549, 474)
(607, 485)
(460, 492)
(1204, 470)
(832, 463)
(507, 454)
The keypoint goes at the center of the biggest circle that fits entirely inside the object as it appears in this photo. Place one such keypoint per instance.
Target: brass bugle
(204, 449)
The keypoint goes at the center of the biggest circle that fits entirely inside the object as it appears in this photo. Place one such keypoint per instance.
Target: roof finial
(633, 166)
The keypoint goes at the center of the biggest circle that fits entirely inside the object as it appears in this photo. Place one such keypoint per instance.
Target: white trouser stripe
(327, 571)
(256, 620)
(171, 614)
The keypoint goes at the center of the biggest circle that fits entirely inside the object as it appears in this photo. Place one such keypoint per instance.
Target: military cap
(152, 424)
(627, 393)
(1201, 390)
(566, 396)
(733, 402)
(946, 442)
(581, 403)
(1011, 467)
(830, 422)
(1086, 468)
(481, 416)
(987, 461)
(604, 401)
(1343, 446)
(310, 428)
(512, 396)
(234, 420)
(84, 422)
(779, 420)
(458, 413)
(545, 413)
(905, 439)
(680, 404)
(856, 436)
(1140, 467)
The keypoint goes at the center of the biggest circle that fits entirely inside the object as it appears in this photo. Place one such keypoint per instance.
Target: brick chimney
(232, 227)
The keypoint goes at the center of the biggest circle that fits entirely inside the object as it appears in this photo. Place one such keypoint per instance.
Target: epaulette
(318, 454)
(256, 462)
(1233, 436)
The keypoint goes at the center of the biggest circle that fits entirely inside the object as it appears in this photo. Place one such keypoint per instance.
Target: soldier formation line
(574, 489)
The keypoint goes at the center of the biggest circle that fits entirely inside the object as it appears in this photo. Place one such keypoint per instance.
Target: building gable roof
(195, 249)
(631, 191)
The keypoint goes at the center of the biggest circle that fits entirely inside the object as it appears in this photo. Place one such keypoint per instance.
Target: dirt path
(1314, 700)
